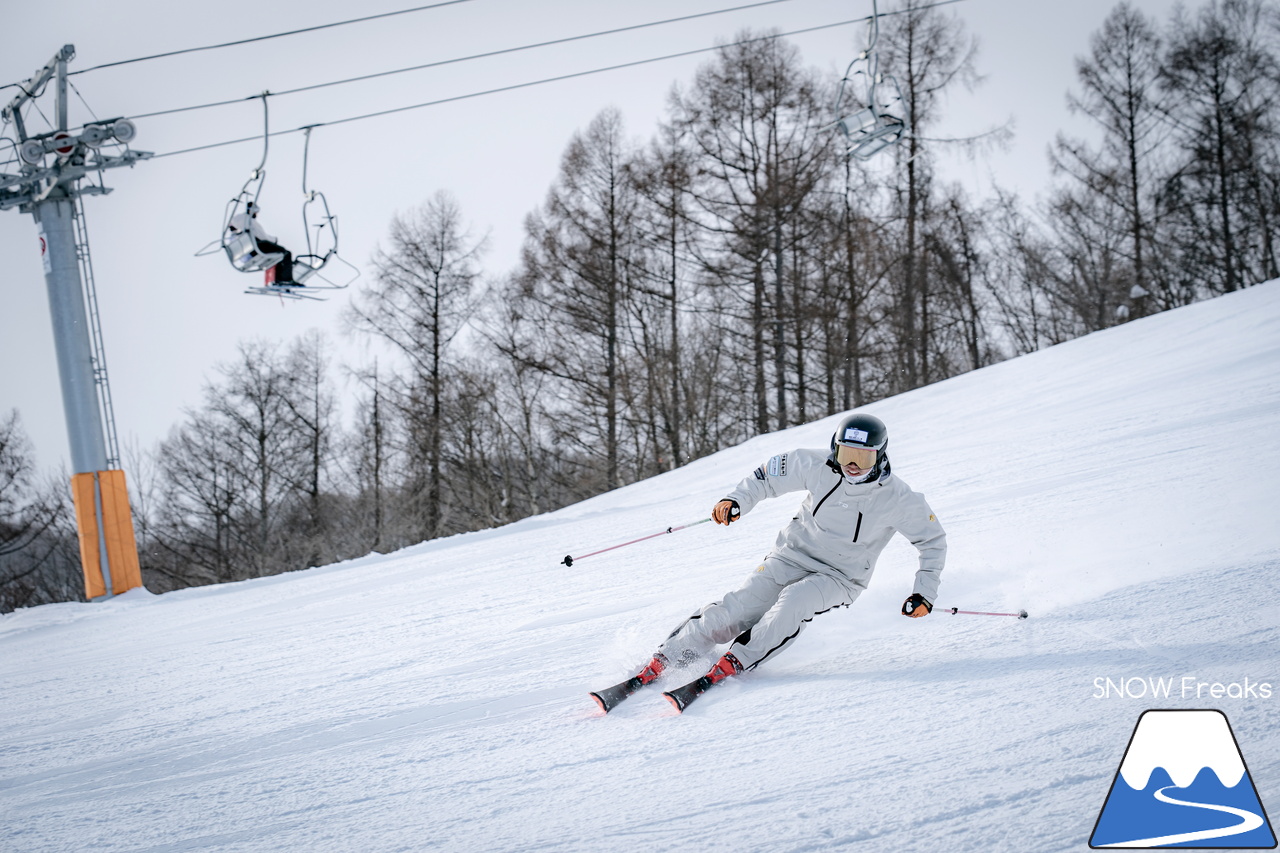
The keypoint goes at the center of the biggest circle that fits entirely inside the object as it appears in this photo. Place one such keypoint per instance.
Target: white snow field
(1122, 488)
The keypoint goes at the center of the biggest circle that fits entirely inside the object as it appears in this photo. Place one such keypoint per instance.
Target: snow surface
(1121, 487)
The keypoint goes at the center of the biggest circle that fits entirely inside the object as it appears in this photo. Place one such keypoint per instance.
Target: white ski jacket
(842, 527)
(242, 222)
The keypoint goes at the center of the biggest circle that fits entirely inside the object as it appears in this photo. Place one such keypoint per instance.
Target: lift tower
(48, 186)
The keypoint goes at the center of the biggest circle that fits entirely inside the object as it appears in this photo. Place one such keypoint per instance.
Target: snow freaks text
(1184, 687)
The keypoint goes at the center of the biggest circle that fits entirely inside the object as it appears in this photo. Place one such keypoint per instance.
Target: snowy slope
(1121, 487)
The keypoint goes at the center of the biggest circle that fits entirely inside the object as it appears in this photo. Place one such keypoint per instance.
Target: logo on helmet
(854, 434)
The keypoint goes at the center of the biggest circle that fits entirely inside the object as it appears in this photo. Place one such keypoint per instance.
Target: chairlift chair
(307, 279)
(323, 248)
(877, 125)
(320, 250)
(314, 258)
(241, 247)
(246, 254)
(870, 131)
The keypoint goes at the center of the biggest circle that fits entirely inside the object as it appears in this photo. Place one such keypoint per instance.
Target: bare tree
(1220, 77)
(231, 477)
(23, 518)
(523, 405)
(959, 251)
(1086, 271)
(368, 451)
(664, 179)
(253, 406)
(928, 52)
(421, 300)
(1120, 94)
(755, 120)
(200, 494)
(580, 262)
(312, 407)
(39, 560)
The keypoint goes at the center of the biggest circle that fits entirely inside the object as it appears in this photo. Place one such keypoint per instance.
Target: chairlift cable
(550, 43)
(545, 80)
(267, 37)
(487, 55)
(29, 95)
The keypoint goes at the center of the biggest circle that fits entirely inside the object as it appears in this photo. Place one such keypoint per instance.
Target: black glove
(912, 606)
(726, 512)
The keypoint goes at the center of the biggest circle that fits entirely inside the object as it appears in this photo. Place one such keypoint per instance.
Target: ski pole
(568, 560)
(1021, 614)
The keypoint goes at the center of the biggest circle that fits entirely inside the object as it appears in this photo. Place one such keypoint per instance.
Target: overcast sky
(169, 318)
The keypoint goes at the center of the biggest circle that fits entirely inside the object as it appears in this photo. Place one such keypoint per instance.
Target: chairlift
(324, 247)
(249, 252)
(880, 123)
(240, 245)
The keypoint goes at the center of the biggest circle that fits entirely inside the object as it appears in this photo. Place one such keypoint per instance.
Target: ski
(680, 697)
(610, 697)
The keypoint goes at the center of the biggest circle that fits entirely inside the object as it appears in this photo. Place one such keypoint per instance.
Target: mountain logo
(1183, 783)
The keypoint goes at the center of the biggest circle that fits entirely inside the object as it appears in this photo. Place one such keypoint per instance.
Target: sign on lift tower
(48, 187)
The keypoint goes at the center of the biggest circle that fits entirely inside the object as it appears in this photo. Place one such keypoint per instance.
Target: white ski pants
(768, 611)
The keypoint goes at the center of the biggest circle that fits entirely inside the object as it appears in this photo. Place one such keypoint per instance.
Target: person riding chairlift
(282, 272)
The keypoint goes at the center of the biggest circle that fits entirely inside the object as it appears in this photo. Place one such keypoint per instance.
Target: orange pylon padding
(105, 490)
(84, 495)
(117, 523)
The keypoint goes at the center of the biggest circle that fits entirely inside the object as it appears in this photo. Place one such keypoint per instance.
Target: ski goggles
(863, 457)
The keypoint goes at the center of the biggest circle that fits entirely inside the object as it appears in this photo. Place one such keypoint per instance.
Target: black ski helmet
(858, 430)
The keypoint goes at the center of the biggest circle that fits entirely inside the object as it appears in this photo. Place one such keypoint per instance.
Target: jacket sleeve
(917, 522)
(783, 473)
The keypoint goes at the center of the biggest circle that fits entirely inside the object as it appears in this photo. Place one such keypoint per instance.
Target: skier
(822, 560)
(282, 272)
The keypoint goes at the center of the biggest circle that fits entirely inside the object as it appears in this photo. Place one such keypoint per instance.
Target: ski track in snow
(1120, 487)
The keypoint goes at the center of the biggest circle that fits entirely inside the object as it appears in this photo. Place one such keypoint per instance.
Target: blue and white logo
(1183, 783)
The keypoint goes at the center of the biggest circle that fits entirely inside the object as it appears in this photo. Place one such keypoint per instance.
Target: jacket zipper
(858, 529)
(827, 495)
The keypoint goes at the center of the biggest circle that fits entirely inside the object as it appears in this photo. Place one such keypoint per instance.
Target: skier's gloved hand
(916, 606)
(726, 512)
